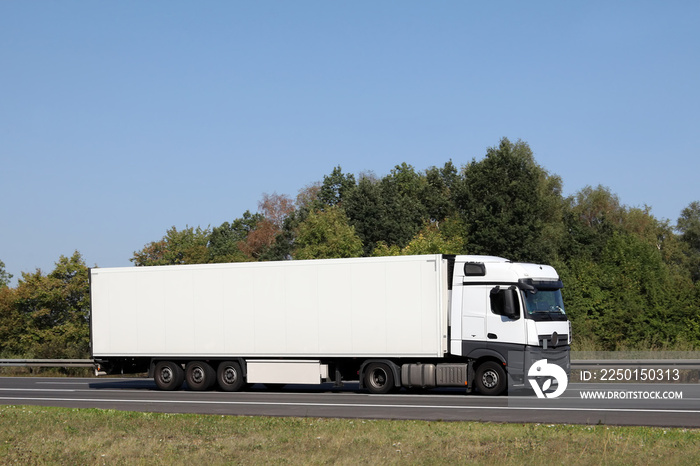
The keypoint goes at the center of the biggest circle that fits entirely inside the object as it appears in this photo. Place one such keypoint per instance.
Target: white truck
(389, 322)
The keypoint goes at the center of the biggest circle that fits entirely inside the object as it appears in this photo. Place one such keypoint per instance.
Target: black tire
(169, 375)
(490, 378)
(230, 376)
(379, 379)
(200, 376)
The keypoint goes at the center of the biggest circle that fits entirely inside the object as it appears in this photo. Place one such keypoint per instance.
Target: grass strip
(40, 435)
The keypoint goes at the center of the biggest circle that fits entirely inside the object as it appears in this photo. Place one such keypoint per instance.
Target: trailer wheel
(490, 378)
(169, 375)
(230, 376)
(199, 375)
(378, 378)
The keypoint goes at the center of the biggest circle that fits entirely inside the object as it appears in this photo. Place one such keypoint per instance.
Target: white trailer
(388, 322)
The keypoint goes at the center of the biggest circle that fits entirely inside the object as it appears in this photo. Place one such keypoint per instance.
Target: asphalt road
(639, 406)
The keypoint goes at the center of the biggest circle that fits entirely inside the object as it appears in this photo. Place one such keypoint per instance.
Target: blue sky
(121, 119)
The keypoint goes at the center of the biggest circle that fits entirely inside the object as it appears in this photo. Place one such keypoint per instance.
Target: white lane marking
(402, 396)
(60, 383)
(37, 390)
(485, 398)
(352, 405)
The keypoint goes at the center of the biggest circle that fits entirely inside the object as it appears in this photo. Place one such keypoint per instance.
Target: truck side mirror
(510, 309)
(504, 302)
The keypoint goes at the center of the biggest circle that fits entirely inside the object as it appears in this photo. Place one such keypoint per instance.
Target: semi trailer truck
(424, 321)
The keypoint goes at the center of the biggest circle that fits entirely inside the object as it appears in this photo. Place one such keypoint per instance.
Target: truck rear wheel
(200, 375)
(169, 375)
(379, 378)
(230, 376)
(490, 378)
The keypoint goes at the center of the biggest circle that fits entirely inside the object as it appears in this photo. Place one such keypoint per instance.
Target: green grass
(38, 435)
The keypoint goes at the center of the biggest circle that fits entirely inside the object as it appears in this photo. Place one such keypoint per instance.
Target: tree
(627, 296)
(308, 198)
(53, 310)
(187, 246)
(325, 235)
(307, 201)
(438, 193)
(4, 276)
(508, 202)
(591, 216)
(335, 187)
(404, 210)
(390, 210)
(274, 208)
(646, 301)
(628, 283)
(689, 228)
(366, 212)
(226, 241)
(433, 238)
(11, 323)
(689, 225)
(596, 206)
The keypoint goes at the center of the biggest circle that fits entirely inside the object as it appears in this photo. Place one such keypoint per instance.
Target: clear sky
(121, 119)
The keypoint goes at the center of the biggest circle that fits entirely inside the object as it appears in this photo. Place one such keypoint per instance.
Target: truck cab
(504, 316)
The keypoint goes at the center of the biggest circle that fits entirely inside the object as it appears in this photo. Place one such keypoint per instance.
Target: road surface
(138, 394)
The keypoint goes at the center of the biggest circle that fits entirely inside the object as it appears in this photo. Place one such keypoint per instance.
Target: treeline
(46, 316)
(631, 280)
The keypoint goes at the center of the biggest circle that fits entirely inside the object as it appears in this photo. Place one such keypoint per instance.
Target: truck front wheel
(490, 378)
(379, 379)
(230, 376)
(169, 375)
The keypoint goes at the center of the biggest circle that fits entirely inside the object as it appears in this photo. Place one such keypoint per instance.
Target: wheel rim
(230, 375)
(197, 375)
(490, 379)
(166, 375)
(378, 378)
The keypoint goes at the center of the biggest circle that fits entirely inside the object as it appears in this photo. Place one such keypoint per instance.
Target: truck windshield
(544, 304)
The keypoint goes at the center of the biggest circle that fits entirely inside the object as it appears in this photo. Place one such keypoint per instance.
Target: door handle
(492, 336)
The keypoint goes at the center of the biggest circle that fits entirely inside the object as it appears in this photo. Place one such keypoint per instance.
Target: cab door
(505, 322)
